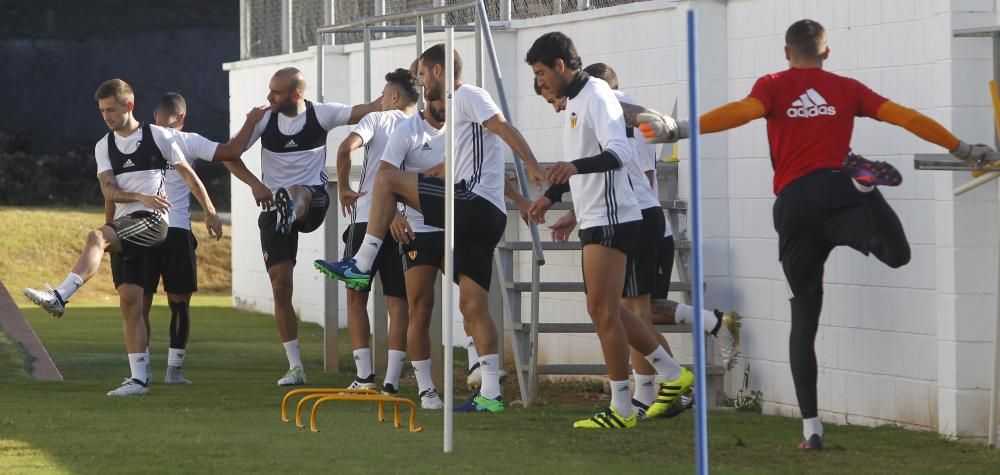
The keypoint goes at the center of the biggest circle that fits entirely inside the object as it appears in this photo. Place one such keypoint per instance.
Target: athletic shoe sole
(286, 211)
(356, 283)
(35, 298)
(872, 173)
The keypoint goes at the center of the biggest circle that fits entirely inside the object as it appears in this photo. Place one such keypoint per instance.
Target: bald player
(293, 160)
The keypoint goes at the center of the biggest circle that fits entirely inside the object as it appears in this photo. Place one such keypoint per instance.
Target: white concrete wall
(908, 346)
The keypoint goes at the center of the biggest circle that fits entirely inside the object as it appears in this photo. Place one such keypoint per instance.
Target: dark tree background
(54, 54)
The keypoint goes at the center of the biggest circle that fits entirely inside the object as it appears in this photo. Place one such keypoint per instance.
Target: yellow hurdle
(323, 395)
(288, 396)
(369, 397)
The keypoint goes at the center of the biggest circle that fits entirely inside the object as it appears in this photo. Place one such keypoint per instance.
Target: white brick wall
(908, 346)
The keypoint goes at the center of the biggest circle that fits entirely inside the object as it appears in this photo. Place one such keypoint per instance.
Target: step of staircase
(600, 369)
(577, 286)
(589, 328)
(566, 246)
(677, 205)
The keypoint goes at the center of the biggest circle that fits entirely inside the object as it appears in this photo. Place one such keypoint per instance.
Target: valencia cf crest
(572, 120)
(413, 255)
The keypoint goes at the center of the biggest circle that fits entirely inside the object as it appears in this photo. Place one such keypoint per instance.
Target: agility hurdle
(324, 395)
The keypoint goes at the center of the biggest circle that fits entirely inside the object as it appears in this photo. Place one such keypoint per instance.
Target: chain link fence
(263, 28)
(307, 15)
(263, 34)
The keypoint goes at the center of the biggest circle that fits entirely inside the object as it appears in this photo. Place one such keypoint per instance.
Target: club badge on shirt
(572, 120)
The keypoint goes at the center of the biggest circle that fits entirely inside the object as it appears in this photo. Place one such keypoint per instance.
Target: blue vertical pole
(697, 286)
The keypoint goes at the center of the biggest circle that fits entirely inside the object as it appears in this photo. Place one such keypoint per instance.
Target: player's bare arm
(109, 211)
(399, 227)
(523, 204)
(508, 133)
(233, 149)
(109, 186)
(348, 197)
(261, 194)
(212, 221)
(361, 110)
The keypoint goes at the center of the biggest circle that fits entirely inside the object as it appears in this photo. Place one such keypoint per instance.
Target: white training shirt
(374, 130)
(594, 122)
(478, 155)
(281, 170)
(147, 182)
(638, 165)
(645, 153)
(415, 146)
(195, 147)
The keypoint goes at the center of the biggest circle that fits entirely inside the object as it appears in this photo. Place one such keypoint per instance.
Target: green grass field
(41, 245)
(228, 420)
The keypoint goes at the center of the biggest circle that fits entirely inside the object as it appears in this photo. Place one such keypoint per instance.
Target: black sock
(718, 322)
(802, 352)
(180, 325)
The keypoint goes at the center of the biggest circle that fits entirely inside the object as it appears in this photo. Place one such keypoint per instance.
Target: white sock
(685, 316)
(645, 388)
(365, 256)
(621, 398)
(812, 426)
(363, 362)
(473, 355)
(422, 370)
(69, 286)
(175, 357)
(665, 366)
(489, 368)
(392, 371)
(863, 189)
(292, 352)
(137, 363)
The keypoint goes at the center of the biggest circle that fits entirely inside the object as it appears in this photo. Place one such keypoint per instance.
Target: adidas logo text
(291, 143)
(128, 163)
(426, 146)
(810, 104)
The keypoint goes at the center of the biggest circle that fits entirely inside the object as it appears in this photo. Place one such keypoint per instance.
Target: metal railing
(273, 27)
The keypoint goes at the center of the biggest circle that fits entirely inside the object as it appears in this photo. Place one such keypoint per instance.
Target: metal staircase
(524, 331)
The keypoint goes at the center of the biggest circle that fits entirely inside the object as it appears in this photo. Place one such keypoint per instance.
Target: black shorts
(277, 247)
(138, 232)
(622, 236)
(664, 267)
(388, 262)
(640, 269)
(479, 226)
(426, 249)
(175, 261)
(822, 210)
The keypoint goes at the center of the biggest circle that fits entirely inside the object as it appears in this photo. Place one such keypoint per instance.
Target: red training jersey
(810, 116)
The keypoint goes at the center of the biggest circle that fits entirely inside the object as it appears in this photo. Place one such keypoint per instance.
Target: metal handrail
(397, 17)
(413, 28)
(518, 165)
